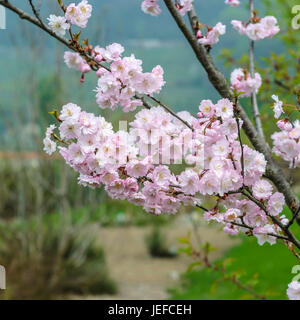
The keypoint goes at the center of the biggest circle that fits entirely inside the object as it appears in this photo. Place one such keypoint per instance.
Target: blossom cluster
(152, 7)
(80, 14)
(125, 79)
(212, 35)
(266, 28)
(74, 14)
(134, 165)
(122, 81)
(241, 80)
(286, 142)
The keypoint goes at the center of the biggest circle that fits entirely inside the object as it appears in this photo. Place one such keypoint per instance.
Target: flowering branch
(130, 164)
(255, 109)
(274, 172)
(216, 78)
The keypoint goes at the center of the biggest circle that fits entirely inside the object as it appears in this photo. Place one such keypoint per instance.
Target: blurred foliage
(36, 186)
(52, 256)
(157, 244)
(265, 269)
(33, 185)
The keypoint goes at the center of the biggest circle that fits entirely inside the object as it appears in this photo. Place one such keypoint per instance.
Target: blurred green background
(58, 239)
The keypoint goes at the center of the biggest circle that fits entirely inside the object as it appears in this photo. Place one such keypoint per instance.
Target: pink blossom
(286, 144)
(161, 176)
(151, 7)
(69, 129)
(88, 123)
(131, 186)
(80, 14)
(238, 25)
(224, 109)
(213, 34)
(256, 218)
(284, 125)
(262, 235)
(277, 106)
(265, 28)
(231, 229)
(232, 3)
(49, 145)
(276, 203)
(232, 214)
(184, 6)
(293, 290)
(242, 82)
(137, 168)
(75, 153)
(262, 189)
(70, 111)
(206, 108)
(75, 61)
(189, 182)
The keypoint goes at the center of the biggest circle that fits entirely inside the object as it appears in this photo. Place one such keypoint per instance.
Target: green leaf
(192, 265)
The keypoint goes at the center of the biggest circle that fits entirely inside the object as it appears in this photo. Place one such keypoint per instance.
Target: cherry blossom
(265, 28)
(232, 3)
(80, 14)
(262, 189)
(277, 106)
(58, 24)
(75, 61)
(262, 235)
(213, 34)
(151, 7)
(286, 143)
(293, 290)
(242, 82)
(184, 6)
(276, 203)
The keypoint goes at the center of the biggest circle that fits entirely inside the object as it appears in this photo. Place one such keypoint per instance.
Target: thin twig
(35, 12)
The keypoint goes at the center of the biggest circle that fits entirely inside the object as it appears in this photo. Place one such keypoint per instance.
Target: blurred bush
(33, 184)
(52, 256)
(157, 245)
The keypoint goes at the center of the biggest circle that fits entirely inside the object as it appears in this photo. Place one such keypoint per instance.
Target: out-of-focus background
(61, 240)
